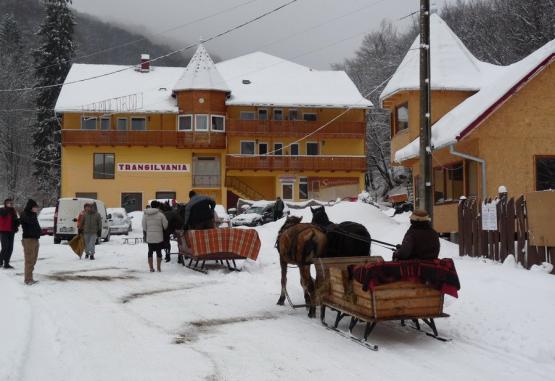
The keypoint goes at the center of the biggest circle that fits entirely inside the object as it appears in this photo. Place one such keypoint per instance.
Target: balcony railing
(144, 138)
(237, 127)
(296, 163)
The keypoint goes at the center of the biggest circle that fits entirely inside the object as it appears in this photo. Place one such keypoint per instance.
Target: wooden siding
(296, 163)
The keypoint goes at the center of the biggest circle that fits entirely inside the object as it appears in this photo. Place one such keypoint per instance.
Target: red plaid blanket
(438, 273)
(242, 242)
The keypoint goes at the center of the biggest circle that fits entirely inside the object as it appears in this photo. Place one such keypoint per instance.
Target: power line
(221, 34)
(145, 38)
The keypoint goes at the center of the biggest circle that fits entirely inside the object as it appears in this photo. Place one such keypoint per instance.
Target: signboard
(152, 167)
(287, 179)
(540, 207)
(124, 103)
(489, 216)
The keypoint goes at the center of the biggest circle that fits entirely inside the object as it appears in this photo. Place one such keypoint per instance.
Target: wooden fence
(510, 238)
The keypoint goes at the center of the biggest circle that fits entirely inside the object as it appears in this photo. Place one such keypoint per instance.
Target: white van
(65, 218)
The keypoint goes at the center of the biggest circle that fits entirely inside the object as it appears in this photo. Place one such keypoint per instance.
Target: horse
(346, 239)
(298, 244)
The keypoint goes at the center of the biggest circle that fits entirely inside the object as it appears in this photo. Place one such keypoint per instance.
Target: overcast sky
(316, 33)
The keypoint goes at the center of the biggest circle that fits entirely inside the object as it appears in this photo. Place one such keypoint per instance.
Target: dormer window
(402, 117)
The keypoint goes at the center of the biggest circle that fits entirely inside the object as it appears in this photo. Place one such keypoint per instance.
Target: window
(185, 123)
(295, 149)
(138, 124)
(104, 165)
(303, 188)
(312, 148)
(122, 124)
(262, 114)
(448, 183)
(287, 191)
(309, 117)
(402, 117)
(247, 115)
(206, 171)
(218, 123)
(92, 195)
(545, 173)
(201, 122)
(278, 149)
(293, 114)
(88, 123)
(132, 202)
(166, 195)
(247, 148)
(278, 114)
(105, 123)
(262, 148)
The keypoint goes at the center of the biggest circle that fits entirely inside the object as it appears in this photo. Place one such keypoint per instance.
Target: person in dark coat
(278, 208)
(421, 241)
(9, 224)
(174, 223)
(30, 240)
(199, 212)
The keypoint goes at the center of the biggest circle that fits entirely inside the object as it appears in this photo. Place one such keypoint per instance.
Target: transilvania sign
(152, 167)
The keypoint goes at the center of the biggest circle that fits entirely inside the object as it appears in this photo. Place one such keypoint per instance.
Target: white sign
(287, 179)
(152, 167)
(489, 216)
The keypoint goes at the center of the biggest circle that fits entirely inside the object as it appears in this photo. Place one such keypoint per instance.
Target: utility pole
(425, 184)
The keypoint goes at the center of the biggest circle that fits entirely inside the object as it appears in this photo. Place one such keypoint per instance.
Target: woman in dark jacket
(421, 241)
(30, 241)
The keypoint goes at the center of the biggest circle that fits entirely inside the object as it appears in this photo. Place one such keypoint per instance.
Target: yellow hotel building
(254, 127)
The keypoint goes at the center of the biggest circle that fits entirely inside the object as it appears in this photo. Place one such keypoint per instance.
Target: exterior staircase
(242, 189)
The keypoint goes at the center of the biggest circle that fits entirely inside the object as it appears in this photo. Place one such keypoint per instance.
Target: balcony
(156, 138)
(353, 130)
(296, 163)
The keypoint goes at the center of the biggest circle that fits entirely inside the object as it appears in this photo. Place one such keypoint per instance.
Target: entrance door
(132, 202)
(206, 172)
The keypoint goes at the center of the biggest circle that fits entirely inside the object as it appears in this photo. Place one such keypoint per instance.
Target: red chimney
(145, 63)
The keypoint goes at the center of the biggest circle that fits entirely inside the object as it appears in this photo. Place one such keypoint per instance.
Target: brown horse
(298, 244)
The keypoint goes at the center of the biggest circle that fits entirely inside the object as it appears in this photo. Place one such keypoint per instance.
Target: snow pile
(111, 319)
(201, 74)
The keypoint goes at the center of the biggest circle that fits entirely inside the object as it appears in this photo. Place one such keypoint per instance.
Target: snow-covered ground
(110, 319)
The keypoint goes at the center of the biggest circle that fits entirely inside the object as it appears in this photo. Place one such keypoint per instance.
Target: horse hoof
(280, 302)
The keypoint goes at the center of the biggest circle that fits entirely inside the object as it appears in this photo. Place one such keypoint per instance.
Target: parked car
(120, 223)
(259, 213)
(65, 218)
(46, 220)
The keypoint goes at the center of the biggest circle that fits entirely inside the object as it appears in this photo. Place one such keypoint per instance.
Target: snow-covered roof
(452, 65)
(454, 125)
(252, 79)
(262, 79)
(201, 74)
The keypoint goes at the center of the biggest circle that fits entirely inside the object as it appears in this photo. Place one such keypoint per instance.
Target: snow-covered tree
(14, 123)
(52, 63)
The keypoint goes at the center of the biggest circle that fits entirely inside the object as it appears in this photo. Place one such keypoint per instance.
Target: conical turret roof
(201, 74)
(453, 67)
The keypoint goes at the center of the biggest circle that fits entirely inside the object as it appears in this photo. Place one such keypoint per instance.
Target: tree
(14, 125)
(52, 63)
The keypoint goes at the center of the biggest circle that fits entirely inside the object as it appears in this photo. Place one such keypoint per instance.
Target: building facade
(492, 125)
(253, 127)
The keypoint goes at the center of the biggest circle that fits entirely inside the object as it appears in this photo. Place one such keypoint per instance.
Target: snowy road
(111, 320)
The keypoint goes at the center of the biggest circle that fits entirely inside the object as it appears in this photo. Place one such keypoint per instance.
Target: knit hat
(420, 215)
(31, 204)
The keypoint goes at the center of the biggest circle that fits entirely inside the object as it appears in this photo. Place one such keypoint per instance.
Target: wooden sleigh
(223, 246)
(400, 301)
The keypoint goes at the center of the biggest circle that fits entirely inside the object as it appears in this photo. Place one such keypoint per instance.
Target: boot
(168, 256)
(91, 257)
(180, 260)
(158, 264)
(150, 264)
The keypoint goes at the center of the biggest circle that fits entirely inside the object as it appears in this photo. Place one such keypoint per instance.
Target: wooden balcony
(296, 163)
(353, 130)
(157, 138)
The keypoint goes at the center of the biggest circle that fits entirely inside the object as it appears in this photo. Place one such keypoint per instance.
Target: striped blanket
(240, 242)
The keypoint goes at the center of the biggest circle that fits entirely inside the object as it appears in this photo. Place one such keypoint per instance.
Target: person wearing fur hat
(30, 241)
(421, 241)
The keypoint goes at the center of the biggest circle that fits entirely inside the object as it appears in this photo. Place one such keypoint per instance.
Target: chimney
(145, 64)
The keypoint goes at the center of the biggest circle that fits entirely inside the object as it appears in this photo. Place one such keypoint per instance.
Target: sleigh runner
(224, 246)
(369, 302)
